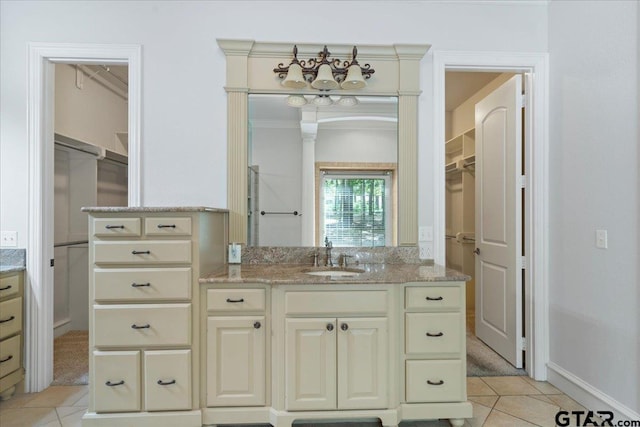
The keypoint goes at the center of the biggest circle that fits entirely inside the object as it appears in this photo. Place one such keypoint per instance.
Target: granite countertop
(296, 274)
(143, 209)
(12, 260)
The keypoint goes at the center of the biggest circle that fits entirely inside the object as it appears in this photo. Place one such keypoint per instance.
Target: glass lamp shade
(354, 78)
(348, 101)
(324, 80)
(294, 78)
(322, 100)
(296, 100)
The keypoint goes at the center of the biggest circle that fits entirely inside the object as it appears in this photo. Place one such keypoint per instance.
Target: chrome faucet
(328, 246)
(315, 259)
(344, 258)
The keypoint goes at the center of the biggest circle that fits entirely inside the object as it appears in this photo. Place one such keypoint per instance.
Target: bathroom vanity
(177, 337)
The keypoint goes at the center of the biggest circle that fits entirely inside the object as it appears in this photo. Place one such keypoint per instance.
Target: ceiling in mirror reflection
(288, 143)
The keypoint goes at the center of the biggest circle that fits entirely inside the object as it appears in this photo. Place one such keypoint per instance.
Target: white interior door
(499, 220)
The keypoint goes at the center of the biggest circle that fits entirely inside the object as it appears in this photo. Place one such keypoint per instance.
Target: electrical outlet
(426, 250)
(425, 234)
(601, 239)
(9, 238)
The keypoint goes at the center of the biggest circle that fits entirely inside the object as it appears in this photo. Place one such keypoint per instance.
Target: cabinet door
(236, 361)
(116, 381)
(362, 363)
(167, 380)
(310, 361)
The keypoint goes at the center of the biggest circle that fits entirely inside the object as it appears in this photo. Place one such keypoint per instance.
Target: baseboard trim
(586, 394)
(61, 327)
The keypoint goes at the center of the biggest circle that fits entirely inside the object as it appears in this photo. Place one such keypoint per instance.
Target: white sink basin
(333, 273)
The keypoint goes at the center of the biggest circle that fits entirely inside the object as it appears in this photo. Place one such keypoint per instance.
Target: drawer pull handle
(7, 320)
(344, 327)
(160, 382)
(257, 325)
(6, 359)
(110, 384)
(435, 383)
(233, 301)
(111, 227)
(141, 252)
(6, 287)
(140, 285)
(166, 226)
(439, 334)
(329, 327)
(434, 299)
(134, 326)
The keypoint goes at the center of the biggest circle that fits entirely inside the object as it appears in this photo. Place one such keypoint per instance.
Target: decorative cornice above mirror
(250, 67)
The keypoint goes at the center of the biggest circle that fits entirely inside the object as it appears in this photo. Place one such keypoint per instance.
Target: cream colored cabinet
(11, 337)
(336, 363)
(435, 369)
(236, 351)
(144, 318)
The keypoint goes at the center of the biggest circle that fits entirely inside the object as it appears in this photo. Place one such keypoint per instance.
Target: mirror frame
(250, 70)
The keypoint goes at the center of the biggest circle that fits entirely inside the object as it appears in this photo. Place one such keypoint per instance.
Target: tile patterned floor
(497, 401)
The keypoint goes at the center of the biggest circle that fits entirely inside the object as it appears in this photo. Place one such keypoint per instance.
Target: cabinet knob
(110, 384)
(257, 325)
(329, 327)
(160, 382)
(344, 326)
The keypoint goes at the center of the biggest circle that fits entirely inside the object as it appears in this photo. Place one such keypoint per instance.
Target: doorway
(536, 181)
(39, 288)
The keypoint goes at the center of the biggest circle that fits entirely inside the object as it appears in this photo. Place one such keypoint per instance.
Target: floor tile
(487, 401)
(477, 387)
(566, 403)
(24, 417)
(58, 396)
(500, 419)
(508, 386)
(71, 416)
(542, 398)
(17, 401)
(480, 414)
(543, 386)
(529, 409)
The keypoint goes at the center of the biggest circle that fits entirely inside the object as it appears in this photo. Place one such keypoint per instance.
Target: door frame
(536, 151)
(42, 58)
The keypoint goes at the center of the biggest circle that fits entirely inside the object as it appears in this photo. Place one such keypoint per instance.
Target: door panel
(499, 220)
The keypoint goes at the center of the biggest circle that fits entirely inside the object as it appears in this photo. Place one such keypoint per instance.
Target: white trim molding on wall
(42, 58)
(588, 395)
(536, 67)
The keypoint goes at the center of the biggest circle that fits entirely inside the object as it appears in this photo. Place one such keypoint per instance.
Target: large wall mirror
(352, 178)
(322, 167)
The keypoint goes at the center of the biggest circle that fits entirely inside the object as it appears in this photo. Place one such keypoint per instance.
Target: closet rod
(77, 242)
(72, 147)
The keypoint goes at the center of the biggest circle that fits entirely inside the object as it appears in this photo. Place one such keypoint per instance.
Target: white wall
(594, 157)
(183, 71)
(373, 145)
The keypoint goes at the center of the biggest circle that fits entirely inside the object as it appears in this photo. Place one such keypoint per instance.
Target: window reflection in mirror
(294, 142)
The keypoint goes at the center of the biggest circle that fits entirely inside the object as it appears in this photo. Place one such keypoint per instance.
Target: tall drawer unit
(144, 297)
(11, 335)
(434, 343)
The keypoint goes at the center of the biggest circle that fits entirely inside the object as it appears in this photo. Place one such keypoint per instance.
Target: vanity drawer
(165, 226)
(10, 317)
(435, 381)
(10, 285)
(141, 325)
(116, 379)
(118, 227)
(433, 333)
(336, 302)
(229, 300)
(10, 355)
(143, 252)
(435, 298)
(167, 380)
(142, 284)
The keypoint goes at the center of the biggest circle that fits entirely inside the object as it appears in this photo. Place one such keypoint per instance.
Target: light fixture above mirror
(324, 73)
